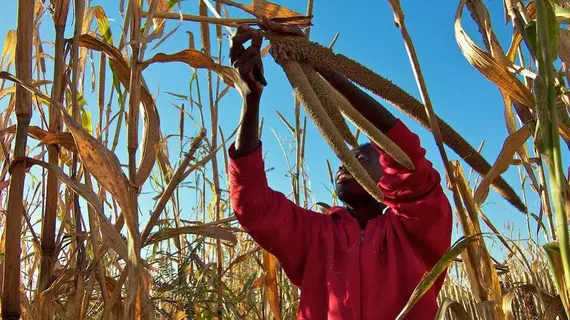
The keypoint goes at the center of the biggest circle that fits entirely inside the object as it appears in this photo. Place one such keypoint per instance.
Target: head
(348, 189)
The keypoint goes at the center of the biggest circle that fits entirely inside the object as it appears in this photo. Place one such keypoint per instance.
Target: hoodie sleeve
(277, 224)
(415, 196)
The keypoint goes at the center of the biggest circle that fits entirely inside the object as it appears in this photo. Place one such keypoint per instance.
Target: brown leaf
(64, 139)
(270, 10)
(4, 184)
(97, 159)
(33, 131)
(197, 59)
(483, 277)
(110, 235)
(493, 69)
(212, 232)
(151, 132)
(512, 144)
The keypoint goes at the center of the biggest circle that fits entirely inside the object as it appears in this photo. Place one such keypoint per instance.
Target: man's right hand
(245, 61)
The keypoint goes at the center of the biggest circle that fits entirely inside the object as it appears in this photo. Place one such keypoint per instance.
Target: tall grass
(96, 223)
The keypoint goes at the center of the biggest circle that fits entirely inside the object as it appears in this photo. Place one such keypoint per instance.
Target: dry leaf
(512, 144)
(151, 131)
(197, 59)
(489, 66)
(270, 10)
(110, 235)
(97, 159)
(212, 232)
(64, 139)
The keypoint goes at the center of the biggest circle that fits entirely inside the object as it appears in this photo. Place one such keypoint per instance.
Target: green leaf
(86, 120)
(562, 14)
(430, 277)
(104, 27)
(531, 34)
(553, 26)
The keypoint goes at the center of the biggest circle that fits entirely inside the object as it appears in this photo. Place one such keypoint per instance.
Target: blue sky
(459, 93)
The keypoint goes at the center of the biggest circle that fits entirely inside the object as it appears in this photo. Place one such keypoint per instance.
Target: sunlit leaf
(86, 120)
(271, 284)
(64, 139)
(456, 309)
(511, 145)
(207, 231)
(490, 67)
(110, 235)
(429, 278)
(151, 119)
(8, 50)
(197, 59)
(270, 10)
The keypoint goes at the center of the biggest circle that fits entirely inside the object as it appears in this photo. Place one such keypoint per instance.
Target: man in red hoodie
(360, 261)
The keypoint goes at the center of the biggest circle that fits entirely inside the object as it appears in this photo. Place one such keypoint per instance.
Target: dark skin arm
(371, 109)
(246, 60)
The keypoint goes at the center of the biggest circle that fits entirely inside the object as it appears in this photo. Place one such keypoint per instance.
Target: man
(360, 261)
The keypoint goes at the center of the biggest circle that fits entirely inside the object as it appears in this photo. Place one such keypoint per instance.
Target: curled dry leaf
(553, 305)
(64, 139)
(212, 232)
(151, 131)
(197, 59)
(110, 235)
(97, 159)
(265, 9)
(512, 144)
(456, 309)
(490, 67)
(33, 131)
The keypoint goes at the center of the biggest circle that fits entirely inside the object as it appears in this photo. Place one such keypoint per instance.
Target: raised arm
(273, 221)
(416, 197)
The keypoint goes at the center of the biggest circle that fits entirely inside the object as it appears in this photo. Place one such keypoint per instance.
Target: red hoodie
(345, 272)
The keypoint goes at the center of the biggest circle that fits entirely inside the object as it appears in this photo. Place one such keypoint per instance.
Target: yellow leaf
(151, 128)
(270, 10)
(512, 144)
(491, 68)
(271, 285)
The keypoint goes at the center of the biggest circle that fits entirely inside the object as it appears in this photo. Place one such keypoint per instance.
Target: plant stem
(12, 277)
(136, 301)
(52, 188)
(556, 176)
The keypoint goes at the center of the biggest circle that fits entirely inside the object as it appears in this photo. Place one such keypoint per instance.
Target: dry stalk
(299, 49)
(206, 47)
(13, 223)
(77, 297)
(175, 180)
(55, 124)
(137, 299)
(318, 114)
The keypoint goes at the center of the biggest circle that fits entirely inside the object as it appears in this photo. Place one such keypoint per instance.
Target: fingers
(246, 69)
(243, 34)
(249, 54)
